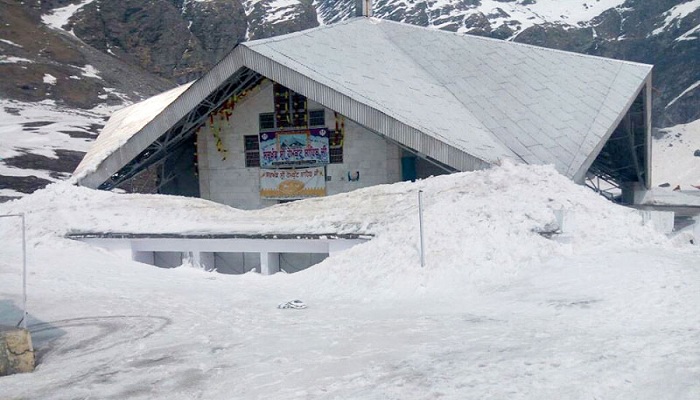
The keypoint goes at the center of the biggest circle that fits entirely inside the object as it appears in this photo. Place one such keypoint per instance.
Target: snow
(13, 60)
(48, 131)
(90, 72)
(498, 312)
(49, 79)
(686, 91)
(567, 12)
(58, 18)
(11, 43)
(519, 15)
(691, 34)
(673, 157)
(275, 10)
(676, 14)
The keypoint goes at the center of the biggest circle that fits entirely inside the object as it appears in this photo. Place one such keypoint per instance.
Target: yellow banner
(297, 183)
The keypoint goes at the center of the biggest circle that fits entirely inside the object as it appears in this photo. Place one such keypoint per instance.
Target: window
(336, 147)
(317, 118)
(267, 121)
(336, 155)
(252, 150)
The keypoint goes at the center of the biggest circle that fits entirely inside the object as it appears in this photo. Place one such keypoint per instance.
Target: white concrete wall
(377, 160)
(228, 181)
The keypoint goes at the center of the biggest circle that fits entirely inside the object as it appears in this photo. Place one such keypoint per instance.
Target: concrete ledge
(16, 351)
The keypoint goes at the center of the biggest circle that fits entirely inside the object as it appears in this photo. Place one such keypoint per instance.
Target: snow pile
(481, 227)
(499, 312)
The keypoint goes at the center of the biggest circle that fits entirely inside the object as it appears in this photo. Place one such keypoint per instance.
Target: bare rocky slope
(141, 47)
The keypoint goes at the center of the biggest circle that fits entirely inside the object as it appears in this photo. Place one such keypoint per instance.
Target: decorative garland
(339, 129)
(220, 118)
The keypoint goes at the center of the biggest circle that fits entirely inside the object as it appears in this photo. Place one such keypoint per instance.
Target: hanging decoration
(219, 119)
(338, 137)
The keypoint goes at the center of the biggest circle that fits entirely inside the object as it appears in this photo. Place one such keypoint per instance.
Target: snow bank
(498, 312)
(480, 227)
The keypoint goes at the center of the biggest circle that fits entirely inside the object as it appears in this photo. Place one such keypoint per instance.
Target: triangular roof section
(463, 100)
(122, 126)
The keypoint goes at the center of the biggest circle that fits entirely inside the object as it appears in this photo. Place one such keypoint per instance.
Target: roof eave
(165, 120)
(580, 175)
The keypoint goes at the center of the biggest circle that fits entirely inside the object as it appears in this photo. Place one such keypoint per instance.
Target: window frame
(252, 152)
(321, 112)
(271, 115)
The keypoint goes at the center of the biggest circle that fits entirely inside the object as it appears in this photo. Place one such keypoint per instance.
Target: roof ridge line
(532, 46)
(448, 90)
(281, 38)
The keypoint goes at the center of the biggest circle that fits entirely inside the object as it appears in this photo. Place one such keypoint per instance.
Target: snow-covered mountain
(65, 64)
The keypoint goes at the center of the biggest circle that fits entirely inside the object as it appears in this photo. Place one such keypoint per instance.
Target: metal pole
(420, 223)
(24, 268)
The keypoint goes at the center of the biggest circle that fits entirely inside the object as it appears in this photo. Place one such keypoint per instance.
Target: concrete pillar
(269, 263)
(16, 351)
(633, 192)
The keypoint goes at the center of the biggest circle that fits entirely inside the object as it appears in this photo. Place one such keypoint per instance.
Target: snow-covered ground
(59, 17)
(498, 312)
(674, 159)
(43, 128)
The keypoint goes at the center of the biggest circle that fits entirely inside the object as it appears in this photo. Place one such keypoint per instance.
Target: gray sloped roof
(463, 100)
(489, 98)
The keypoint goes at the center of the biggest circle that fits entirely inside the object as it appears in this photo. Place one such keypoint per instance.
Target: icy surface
(498, 312)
